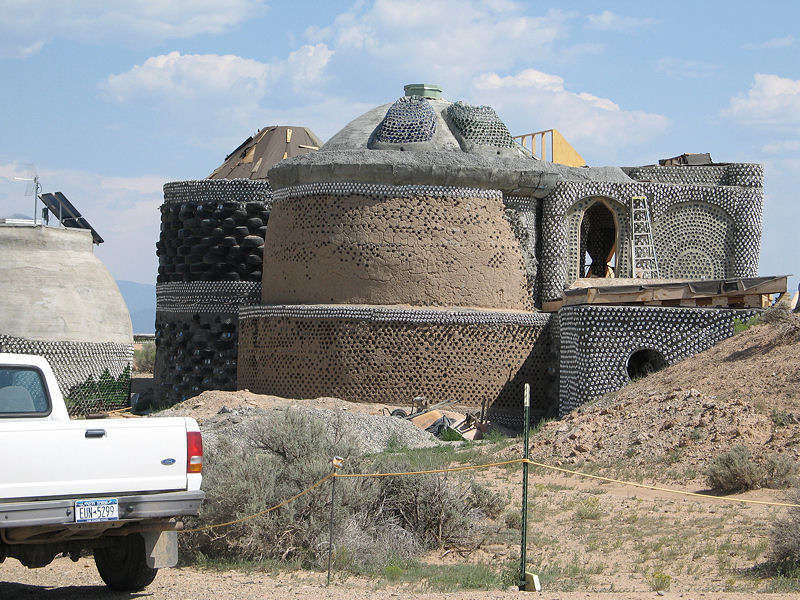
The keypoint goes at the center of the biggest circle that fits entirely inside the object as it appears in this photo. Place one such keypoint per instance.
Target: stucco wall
(417, 245)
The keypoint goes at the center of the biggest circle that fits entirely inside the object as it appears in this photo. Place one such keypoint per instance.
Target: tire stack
(210, 256)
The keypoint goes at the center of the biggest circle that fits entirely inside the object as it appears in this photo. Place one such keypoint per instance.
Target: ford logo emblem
(168, 461)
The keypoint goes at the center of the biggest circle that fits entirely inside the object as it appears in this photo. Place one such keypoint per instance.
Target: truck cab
(115, 487)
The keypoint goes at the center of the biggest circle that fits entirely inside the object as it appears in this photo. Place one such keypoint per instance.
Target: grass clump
(589, 509)
(660, 582)
(377, 520)
(737, 471)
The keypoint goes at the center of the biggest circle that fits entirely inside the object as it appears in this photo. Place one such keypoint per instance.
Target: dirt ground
(65, 580)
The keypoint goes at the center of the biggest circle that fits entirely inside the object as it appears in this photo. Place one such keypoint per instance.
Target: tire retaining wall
(210, 263)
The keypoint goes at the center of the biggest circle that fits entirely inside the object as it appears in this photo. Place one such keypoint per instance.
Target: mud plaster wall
(597, 341)
(524, 214)
(699, 231)
(391, 355)
(210, 262)
(76, 363)
(373, 244)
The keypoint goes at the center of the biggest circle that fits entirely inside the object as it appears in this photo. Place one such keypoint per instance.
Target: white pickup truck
(113, 486)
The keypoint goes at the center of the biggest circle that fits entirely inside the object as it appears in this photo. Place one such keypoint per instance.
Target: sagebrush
(737, 471)
(376, 519)
(784, 550)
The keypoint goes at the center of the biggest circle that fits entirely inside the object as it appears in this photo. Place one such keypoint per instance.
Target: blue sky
(110, 100)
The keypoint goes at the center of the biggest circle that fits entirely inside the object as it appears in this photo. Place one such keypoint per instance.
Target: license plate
(99, 509)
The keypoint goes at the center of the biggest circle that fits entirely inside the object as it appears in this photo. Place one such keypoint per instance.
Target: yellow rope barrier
(660, 489)
(432, 471)
(485, 466)
(263, 512)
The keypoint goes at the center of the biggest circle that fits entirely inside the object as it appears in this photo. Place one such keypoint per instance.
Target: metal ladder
(644, 264)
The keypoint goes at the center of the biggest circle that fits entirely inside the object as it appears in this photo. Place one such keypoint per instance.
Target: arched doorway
(598, 251)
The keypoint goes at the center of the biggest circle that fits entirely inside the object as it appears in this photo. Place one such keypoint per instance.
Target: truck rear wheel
(123, 565)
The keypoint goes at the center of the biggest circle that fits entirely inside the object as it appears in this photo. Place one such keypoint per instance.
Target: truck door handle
(95, 433)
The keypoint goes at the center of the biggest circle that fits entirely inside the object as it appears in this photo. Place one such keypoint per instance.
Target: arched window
(598, 242)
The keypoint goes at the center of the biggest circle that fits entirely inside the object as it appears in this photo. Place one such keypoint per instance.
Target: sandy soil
(65, 580)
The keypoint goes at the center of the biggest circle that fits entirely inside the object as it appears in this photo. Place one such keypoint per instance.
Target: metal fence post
(336, 462)
(524, 547)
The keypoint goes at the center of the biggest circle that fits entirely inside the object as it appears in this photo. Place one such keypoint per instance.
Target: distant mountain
(141, 301)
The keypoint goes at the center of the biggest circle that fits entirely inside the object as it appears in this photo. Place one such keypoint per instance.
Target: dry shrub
(737, 471)
(784, 549)
(787, 322)
(376, 519)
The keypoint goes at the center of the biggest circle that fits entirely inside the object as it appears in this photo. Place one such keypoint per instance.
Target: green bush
(660, 582)
(737, 471)
(734, 471)
(377, 520)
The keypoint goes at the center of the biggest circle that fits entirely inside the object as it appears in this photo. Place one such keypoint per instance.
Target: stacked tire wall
(210, 256)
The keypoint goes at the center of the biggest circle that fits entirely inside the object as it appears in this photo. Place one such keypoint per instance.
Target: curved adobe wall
(60, 302)
(390, 355)
(56, 289)
(380, 244)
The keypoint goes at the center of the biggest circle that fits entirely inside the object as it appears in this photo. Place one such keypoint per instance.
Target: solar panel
(69, 216)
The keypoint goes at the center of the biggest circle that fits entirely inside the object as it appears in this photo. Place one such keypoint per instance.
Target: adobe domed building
(414, 253)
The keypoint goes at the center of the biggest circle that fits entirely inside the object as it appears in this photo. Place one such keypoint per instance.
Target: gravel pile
(371, 433)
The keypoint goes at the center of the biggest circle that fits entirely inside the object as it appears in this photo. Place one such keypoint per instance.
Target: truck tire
(123, 565)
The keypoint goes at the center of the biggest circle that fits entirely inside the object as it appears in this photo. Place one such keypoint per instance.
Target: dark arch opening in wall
(598, 241)
(645, 361)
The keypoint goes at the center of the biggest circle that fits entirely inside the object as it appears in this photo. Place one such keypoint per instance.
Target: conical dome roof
(254, 157)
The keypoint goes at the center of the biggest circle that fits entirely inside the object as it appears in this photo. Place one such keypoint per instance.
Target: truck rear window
(22, 392)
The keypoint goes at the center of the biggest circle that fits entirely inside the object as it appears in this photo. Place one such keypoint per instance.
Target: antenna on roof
(33, 188)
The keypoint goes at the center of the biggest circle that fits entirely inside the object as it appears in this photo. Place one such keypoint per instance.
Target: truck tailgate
(96, 457)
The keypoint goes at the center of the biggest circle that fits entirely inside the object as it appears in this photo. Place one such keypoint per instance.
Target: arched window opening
(598, 252)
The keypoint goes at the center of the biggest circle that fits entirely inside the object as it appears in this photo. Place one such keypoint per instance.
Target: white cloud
(609, 21)
(307, 64)
(786, 41)
(216, 97)
(28, 24)
(532, 100)
(179, 77)
(681, 68)
(781, 147)
(208, 79)
(123, 210)
(448, 41)
(771, 101)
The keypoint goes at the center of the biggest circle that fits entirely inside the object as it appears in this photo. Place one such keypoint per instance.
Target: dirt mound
(745, 390)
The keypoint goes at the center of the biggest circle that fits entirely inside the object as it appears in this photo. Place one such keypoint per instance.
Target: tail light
(194, 452)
